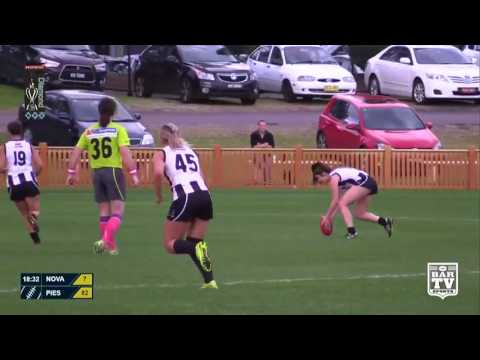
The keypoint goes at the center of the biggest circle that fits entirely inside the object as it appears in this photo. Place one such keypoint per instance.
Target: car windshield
(392, 119)
(87, 110)
(206, 53)
(64, 47)
(440, 56)
(307, 55)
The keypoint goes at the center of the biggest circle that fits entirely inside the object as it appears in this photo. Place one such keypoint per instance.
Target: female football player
(22, 163)
(107, 145)
(191, 209)
(356, 187)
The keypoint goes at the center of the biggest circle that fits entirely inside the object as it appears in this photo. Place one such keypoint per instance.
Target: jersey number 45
(180, 163)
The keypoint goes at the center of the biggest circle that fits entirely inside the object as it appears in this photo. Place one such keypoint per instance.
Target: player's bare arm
(36, 161)
(158, 172)
(73, 166)
(3, 162)
(335, 198)
(130, 164)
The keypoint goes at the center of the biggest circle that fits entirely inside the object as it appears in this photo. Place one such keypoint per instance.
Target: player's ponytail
(170, 135)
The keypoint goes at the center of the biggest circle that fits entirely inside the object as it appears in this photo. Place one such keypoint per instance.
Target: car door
(384, 70)
(172, 72)
(401, 74)
(258, 64)
(56, 128)
(152, 68)
(332, 123)
(117, 76)
(350, 138)
(273, 71)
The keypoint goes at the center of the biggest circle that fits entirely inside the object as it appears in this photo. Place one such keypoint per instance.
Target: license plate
(77, 76)
(234, 86)
(467, 90)
(330, 88)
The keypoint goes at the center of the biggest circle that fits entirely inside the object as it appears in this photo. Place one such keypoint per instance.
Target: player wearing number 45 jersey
(107, 145)
(191, 209)
(349, 185)
(22, 164)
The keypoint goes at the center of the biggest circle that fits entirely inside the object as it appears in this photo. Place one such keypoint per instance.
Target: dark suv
(67, 66)
(194, 72)
(70, 112)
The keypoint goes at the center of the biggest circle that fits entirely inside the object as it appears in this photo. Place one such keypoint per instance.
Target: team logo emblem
(442, 279)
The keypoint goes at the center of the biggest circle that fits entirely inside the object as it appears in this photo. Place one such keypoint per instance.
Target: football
(326, 227)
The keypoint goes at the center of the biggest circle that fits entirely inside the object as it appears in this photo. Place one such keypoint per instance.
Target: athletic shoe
(389, 226)
(113, 252)
(202, 256)
(211, 285)
(98, 247)
(351, 236)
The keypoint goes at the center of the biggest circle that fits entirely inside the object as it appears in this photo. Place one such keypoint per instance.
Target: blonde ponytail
(170, 135)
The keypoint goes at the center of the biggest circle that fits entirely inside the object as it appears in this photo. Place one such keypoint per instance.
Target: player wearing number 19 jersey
(22, 164)
(191, 209)
(107, 146)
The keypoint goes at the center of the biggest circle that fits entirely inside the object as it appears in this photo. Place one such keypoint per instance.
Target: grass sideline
(269, 256)
(10, 97)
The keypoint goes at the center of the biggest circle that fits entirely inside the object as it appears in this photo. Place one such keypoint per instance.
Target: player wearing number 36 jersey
(107, 146)
(191, 209)
(22, 164)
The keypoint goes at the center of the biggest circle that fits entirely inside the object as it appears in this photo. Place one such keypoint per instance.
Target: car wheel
(374, 86)
(321, 140)
(248, 101)
(140, 89)
(186, 91)
(287, 92)
(418, 92)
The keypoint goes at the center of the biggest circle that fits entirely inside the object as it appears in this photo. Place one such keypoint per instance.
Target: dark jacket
(255, 138)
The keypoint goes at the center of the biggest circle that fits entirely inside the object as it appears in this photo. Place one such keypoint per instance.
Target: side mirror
(429, 125)
(242, 57)
(405, 60)
(353, 127)
(172, 59)
(137, 116)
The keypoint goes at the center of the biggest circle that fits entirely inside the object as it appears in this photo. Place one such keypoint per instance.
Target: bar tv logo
(442, 279)
(34, 92)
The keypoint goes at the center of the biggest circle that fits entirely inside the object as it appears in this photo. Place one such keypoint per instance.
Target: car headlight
(49, 63)
(306, 78)
(348, 79)
(436, 77)
(380, 146)
(148, 139)
(204, 75)
(438, 146)
(101, 67)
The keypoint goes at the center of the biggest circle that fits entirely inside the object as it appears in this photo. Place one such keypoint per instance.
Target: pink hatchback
(371, 122)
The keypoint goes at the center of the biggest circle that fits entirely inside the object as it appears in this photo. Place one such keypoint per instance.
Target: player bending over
(191, 208)
(22, 164)
(358, 188)
(107, 145)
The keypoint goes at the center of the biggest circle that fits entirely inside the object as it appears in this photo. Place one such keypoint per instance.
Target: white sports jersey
(349, 177)
(19, 162)
(182, 170)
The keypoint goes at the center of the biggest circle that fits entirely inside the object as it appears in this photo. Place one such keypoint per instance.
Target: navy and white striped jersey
(182, 170)
(349, 177)
(19, 163)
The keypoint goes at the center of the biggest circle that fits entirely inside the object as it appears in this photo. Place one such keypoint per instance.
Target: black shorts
(25, 190)
(109, 185)
(371, 185)
(197, 205)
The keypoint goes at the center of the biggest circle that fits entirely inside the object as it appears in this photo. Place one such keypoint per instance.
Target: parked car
(70, 112)
(299, 70)
(423, 72)
(472, 52)
(194, 72)
(371, 122)
(67, 66)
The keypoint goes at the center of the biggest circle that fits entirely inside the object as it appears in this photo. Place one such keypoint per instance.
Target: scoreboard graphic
(66, 286)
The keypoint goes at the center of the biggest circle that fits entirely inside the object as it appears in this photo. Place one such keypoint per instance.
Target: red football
(326, 227)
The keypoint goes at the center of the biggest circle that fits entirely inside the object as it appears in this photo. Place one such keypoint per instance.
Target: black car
(69, 112)
(67, 66)
(194, 72)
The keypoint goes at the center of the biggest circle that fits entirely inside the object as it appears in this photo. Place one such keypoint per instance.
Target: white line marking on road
(267, 281)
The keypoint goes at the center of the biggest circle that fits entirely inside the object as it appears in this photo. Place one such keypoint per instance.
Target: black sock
(382, 221)
(351, 230)
(184, 247)
(207, 275)
(35, 237)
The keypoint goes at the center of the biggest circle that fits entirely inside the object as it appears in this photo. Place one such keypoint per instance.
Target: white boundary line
(267, 281)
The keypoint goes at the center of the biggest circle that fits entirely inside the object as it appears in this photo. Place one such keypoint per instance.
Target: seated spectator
(262, 139)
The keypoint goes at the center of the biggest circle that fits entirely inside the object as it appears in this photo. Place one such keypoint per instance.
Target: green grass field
(269, 256)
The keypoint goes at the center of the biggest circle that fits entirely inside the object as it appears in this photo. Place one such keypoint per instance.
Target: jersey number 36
(101, 148)
(180, 163)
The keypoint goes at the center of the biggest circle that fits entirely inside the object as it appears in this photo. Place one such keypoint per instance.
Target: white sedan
(423, 72)
(299, 70)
